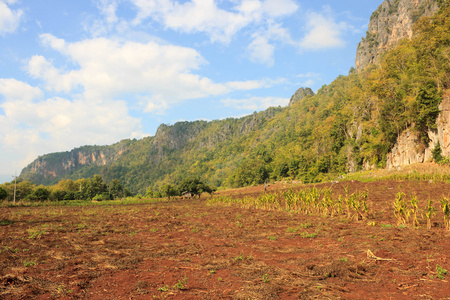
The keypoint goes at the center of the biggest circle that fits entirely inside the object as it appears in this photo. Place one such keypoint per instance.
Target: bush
(102, 196)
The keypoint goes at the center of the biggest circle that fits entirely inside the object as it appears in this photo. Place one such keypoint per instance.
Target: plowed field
(186, 249)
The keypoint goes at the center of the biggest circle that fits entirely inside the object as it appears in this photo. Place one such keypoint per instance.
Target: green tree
(427, 110)
(437, 153)
(98, 186)
(168, 191)
(40, 193)
(116, 189)
(91, 187)
(66, 185)
(3, 193)
(72, 196)
(194, 185)
(24, 189)
(127, 193)
(149, 193)
(58, 195)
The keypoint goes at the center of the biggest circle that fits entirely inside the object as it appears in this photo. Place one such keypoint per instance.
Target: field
(204, 249)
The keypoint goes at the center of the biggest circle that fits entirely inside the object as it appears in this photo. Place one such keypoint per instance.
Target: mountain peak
(392, 22)
(300, 94)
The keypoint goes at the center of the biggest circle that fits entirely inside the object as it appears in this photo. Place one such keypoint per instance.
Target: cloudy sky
(86, 72)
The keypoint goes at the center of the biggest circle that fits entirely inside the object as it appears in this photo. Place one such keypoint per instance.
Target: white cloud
(160, 75)
(253, 84)
(40, 67)
(13, 90)
(219, 20)
(9, 19)
(256, 103)
(108, 10)
(109, 68)
(279, 8)
(261, 51)
(109, 21)
(308, 79)
(307, 75)
(323, 32)
(206, 16)
(33, 126)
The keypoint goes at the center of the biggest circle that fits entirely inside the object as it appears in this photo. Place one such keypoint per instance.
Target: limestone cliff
(392, 22)
(170, 145)
(408, 149)
(60, 164)
(300, 94)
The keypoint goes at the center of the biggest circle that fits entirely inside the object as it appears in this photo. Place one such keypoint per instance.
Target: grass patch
(308, 235)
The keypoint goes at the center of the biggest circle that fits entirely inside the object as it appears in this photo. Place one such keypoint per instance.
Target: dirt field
(185, 249)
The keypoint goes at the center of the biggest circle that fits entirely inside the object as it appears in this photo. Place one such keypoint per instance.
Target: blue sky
(87, 72)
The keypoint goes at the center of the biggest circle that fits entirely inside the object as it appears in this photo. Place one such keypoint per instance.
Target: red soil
(186, 249)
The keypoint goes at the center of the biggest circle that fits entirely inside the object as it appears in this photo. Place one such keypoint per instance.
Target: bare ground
(185, 249)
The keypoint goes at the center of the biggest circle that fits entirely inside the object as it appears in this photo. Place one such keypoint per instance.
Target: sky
(94, 72)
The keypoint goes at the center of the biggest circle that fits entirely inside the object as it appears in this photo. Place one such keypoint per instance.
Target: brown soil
(185, 249)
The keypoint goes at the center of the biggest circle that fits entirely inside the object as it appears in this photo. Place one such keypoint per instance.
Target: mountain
(378, 116)
(391, 23)
(300, 94)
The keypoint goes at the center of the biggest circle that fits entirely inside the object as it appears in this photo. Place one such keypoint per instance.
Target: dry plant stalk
(414, 209)
(446, 210)
(430, 211)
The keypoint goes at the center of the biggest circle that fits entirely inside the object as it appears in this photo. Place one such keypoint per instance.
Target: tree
(67, 185)
(116, 188)
(149, 193)
(3, 193)
(127, 193)
(252, 171)
(72, 196)
(98, 187)
(195, 186)
(58, 195)
(208, 189)
(169, 191)
(427, 101)
(437, 153)
(89, 188)
(24, 189)
(41, 193)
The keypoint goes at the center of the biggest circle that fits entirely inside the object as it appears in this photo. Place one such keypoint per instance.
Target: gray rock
(300, 94)
(392, 22)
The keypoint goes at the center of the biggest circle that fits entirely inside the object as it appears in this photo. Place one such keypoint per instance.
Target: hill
(349, 125)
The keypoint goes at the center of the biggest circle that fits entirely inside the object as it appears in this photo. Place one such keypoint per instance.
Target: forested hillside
(350, 124)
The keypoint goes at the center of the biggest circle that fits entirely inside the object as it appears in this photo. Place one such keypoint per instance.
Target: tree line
(67, 189)
(95, 189)
(191, 186)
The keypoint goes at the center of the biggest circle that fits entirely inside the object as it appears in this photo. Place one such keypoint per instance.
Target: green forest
(348, 125)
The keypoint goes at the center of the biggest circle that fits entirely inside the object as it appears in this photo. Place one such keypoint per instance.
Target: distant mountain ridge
(351, 124)
(152, 152)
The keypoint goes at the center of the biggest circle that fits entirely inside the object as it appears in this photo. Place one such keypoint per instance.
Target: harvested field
(187, 249)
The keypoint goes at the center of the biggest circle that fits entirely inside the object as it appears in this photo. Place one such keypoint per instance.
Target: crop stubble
(185, 249)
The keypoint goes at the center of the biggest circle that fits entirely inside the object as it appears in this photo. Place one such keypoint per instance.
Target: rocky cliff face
(300, 94)
(58, 164)
(169, 139)
(177, 135)
(392, 22)
(408, 151)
